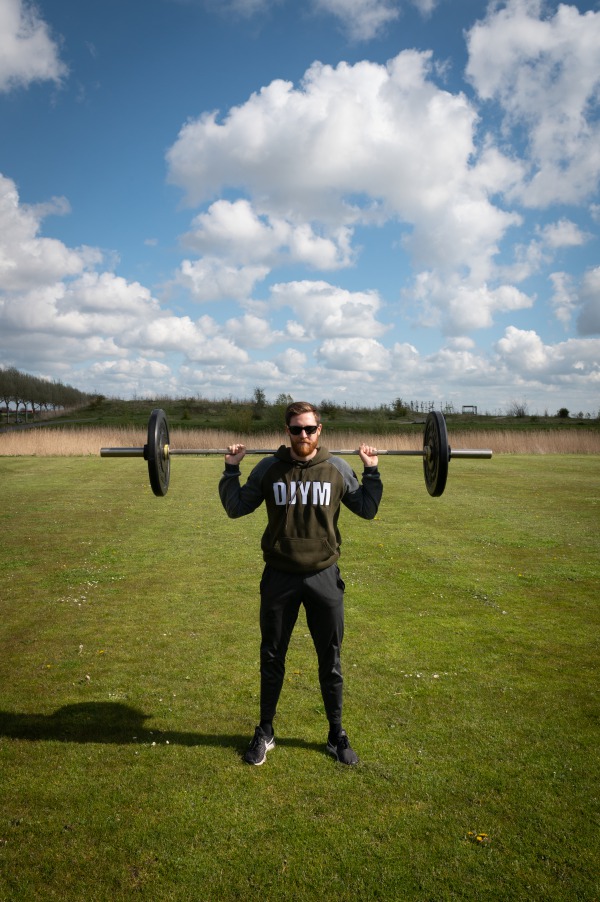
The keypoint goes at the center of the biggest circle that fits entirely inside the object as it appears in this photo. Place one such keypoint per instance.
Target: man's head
(303, 428)
(297, 407)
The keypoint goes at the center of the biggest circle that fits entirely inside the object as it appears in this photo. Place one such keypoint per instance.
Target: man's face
(304, 446)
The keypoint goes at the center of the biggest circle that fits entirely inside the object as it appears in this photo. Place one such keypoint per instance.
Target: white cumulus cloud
(323, 310)
(581, 297)
(589, 295)
(28, 53)
(563, 233)
(524, 351)
(362, 19)
(458, 307)
(213, 279)
(291, 362)
(352, 145)
(543, 72)
(27, 259)
(235, 231)
(354, 355)
(250, 331)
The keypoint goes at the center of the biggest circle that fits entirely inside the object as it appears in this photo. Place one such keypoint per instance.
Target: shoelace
(260, 737)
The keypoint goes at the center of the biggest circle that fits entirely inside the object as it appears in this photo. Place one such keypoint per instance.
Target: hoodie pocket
(304, 551)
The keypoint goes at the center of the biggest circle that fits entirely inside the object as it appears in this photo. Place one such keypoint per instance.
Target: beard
(304, 445)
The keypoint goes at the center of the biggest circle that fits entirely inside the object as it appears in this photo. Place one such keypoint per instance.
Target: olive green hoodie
(303, 504)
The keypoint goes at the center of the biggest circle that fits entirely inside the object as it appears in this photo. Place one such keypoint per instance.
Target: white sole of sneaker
(270, 745)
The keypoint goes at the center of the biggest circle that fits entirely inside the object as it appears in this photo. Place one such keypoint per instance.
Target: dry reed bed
(88, 441)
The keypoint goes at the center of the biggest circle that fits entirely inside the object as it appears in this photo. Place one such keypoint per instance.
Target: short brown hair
(297, 407)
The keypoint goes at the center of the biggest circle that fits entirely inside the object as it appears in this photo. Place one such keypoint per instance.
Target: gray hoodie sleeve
(241, 500)
(361, 498)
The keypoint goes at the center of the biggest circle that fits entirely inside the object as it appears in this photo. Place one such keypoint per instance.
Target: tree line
(22, 394)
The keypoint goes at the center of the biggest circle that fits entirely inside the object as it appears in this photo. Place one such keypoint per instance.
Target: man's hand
(368, 455)
(236, 454)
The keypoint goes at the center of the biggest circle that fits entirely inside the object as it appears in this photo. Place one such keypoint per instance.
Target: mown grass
(129, 675)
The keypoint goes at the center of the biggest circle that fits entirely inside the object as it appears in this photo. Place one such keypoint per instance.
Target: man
(303, 487)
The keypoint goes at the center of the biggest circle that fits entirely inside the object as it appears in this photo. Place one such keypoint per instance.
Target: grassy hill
(249, 418)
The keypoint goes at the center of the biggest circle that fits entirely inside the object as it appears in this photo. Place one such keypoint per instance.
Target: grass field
(129, 674)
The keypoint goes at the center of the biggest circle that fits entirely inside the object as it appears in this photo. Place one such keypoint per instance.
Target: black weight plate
(159, 464)
(436, 453)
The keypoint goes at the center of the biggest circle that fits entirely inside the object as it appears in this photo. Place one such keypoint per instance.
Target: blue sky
(354, 200)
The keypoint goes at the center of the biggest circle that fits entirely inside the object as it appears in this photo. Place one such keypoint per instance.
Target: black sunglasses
(297, 430)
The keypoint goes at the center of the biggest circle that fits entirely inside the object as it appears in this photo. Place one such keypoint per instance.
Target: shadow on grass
(115, 723)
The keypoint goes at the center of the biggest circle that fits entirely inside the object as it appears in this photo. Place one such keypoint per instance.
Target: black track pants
(281, 595)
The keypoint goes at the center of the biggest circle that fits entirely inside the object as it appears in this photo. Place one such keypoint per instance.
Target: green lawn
(129, 675)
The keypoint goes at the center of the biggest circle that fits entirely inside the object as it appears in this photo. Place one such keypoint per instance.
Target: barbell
(436, 453)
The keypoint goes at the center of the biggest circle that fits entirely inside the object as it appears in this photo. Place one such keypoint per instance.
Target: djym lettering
(303, 493)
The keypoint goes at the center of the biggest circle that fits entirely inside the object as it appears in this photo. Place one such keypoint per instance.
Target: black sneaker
(256, 752)
(341, 749)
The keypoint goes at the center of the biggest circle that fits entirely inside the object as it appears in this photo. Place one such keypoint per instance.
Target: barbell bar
(436, 453)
